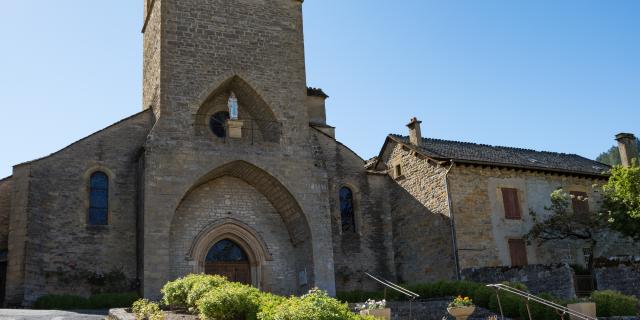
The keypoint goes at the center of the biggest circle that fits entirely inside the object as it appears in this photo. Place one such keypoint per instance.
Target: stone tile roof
(474, 153)
(316, 92)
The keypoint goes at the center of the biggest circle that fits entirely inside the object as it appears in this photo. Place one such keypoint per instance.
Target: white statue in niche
(233, 107)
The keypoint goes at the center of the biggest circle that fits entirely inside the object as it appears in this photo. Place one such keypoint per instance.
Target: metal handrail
(562, 310)
(412, 295)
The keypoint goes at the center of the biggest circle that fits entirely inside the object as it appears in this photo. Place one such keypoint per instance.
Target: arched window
(99, 199)
(346, 210)
(218, 123)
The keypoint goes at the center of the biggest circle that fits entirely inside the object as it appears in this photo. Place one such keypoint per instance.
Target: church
(231, 168)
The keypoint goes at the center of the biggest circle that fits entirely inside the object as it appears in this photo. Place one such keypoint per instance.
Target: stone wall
(421, 226)
(60, 249)
(623, 278)
(204, 49)
(6, 190)
(556, 280)
(369, 249)
(231, 198)
(152, 55)
(483, 231)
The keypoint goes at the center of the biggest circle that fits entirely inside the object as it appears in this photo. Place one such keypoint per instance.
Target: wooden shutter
(518, 251)
(579, 202)
(511, 203)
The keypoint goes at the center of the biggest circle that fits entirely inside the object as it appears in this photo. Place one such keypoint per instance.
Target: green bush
(316, 305)
(510, 302)
(360, 296)
(612, 303)
(230, 301)
(98, 301)
(183, 293)
(482, 296)
(147, 310)
(538, 311)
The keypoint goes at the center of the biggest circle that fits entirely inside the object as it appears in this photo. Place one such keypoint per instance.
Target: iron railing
(388, 284)
(561, 310)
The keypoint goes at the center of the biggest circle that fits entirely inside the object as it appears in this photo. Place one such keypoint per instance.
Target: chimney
(415, 135)
(628, 148)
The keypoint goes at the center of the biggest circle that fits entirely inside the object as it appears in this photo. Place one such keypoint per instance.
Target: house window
(218, 123)
(579, 202)
(518, 252)
(99, 199)
(347, 215)
(511, 204)
(398, 171)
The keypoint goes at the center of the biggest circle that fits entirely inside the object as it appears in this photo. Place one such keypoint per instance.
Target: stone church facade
(231, 168)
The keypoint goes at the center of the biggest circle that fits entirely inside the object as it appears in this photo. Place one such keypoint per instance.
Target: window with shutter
(518, 251)
(511, 203)
(580, 202)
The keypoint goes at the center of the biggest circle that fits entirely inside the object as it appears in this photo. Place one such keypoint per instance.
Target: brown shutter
(579, 202)
(518, 251)
(511, 203)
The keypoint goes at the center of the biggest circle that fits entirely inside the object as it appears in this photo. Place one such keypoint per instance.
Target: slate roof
(466, 152)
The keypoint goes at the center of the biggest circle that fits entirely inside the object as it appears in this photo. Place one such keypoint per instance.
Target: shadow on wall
(422, 240)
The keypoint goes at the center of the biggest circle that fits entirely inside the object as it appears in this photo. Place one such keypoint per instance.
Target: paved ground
(20, 314)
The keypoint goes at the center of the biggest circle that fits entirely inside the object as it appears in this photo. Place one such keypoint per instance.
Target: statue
(233, 107)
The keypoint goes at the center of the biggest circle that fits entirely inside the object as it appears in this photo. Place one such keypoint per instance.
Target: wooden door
(239, 271)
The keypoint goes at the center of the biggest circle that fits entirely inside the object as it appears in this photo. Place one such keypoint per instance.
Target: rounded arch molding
(276, 193)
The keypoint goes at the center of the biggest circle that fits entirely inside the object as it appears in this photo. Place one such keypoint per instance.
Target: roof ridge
(496, 146)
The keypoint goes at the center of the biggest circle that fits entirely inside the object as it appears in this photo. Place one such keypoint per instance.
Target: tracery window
(346, 210)
(218, 123)
(226, 251)
(99, 199)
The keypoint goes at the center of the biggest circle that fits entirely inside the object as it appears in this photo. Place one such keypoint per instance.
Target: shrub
(230, 301)
(482, 295)
(111, 300)
(510, 302)
(147, 310)
(315, 305)
(99, 301)
(63, 302)
(612, 303)
(538, 311)
(183, 293)
(360, 296)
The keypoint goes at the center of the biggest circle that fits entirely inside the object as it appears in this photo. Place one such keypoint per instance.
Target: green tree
(563, 224)
(621, 204)
(612, 156)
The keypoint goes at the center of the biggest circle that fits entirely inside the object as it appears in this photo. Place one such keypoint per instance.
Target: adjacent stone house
(488, 194)
(231, 168)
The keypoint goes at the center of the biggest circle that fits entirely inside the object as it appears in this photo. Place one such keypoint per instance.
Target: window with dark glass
(346, 210)
(579, 202)
(218, 123)
(99, 199)
(511, 203)
(226, 251)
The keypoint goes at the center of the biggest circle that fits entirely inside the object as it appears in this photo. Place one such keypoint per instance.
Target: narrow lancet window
(99, 199)
(346, 210)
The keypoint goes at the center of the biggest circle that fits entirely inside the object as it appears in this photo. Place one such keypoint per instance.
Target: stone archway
(242, 235)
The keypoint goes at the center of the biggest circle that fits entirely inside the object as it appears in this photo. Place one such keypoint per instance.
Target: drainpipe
(454, 239)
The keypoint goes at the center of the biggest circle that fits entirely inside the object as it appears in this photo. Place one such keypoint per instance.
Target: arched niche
(259, 120)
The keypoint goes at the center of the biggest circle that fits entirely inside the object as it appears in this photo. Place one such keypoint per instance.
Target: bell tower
(190, 46)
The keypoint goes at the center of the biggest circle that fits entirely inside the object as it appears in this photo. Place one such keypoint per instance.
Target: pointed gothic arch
(259, 115)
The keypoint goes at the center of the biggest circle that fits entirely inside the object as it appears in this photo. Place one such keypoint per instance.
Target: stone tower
(196, 54)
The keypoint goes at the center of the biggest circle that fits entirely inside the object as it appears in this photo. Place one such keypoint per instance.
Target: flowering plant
(460, 301)
(372, 305)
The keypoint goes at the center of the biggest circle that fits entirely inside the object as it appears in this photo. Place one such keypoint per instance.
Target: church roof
(474, 153)
(316, 92)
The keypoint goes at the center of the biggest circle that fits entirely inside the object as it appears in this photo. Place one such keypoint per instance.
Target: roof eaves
(539, 169)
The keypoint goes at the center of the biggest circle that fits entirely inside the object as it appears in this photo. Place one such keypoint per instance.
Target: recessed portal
(226, 258)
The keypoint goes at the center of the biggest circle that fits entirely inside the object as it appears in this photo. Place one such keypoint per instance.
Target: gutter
(454, 239)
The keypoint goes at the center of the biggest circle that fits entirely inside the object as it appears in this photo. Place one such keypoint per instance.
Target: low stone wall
(623, 278)
(555, 279)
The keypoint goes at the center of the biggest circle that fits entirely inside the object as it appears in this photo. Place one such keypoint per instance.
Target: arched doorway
(228, 259)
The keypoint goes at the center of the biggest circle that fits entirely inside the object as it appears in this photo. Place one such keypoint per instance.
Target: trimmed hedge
(612, 303)
(98, 301)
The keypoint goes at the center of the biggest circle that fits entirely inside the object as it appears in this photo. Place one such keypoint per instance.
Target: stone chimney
(415, 135)
(628, 148)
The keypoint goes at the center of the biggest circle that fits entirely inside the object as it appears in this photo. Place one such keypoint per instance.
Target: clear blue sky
(548, 75)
